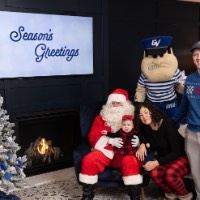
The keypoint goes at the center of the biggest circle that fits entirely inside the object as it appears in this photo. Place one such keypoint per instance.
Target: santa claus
(109, 119)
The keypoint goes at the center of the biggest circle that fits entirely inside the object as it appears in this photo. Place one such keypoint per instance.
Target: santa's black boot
(88, 192)
(134, 192)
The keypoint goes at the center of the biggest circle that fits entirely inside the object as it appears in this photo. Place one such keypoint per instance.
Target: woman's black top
(166, 141)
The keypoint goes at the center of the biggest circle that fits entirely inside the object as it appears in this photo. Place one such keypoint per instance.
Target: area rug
(67, 188)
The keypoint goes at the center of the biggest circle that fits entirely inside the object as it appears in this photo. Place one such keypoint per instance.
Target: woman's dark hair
(156, 114)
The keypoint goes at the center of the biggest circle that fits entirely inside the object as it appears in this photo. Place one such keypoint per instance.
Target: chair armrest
(83, 148)
(78, 153)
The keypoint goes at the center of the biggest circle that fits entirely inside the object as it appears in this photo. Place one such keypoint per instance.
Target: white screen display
(45, 45)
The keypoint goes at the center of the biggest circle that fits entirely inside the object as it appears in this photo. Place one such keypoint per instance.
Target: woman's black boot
(134, 192)
(88, 192)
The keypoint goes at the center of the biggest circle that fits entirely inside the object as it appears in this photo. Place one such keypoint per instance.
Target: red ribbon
(130, 117)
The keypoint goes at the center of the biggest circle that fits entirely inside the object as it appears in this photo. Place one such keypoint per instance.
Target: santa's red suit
(102, 152)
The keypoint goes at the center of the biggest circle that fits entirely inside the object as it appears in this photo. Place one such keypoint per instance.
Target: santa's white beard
(113, 115)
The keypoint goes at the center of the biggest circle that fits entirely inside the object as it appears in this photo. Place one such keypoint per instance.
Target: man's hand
(117, 142)
(135, 141)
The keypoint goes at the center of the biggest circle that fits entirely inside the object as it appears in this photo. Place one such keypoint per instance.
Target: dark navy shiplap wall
(26, 95)
(132, 21)
(119, 27)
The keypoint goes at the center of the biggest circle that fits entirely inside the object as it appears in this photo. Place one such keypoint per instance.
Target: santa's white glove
(117, 142)
(135, 141)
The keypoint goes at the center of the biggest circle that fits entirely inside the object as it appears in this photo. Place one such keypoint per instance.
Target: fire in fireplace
(42, 150)
(48, 139)
(42, 147)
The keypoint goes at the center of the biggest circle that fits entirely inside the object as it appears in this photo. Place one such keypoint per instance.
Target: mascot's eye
(161, 55)
(154, 56)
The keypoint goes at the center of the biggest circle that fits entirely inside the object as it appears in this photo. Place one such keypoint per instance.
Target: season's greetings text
(42, 51)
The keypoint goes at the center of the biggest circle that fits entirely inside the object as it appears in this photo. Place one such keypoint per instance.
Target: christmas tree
(11, 166)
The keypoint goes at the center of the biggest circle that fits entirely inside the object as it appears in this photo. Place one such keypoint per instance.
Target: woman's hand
(150, 165)
(141, 152)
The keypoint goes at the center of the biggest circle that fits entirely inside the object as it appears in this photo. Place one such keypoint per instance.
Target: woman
(170, 163)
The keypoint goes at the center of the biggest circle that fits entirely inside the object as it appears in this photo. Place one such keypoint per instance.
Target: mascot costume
(160, 77)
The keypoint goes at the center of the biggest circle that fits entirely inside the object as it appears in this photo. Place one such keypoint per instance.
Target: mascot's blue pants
(168, 107)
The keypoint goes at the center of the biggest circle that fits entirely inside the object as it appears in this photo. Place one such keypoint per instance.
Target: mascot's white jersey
(160, 91)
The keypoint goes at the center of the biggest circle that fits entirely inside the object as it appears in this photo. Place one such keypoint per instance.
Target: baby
(130, 140)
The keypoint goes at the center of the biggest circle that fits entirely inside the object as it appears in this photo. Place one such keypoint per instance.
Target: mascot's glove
(117, 142)
(140, 94)
(135, 141)
(181, 83)
(182, 78)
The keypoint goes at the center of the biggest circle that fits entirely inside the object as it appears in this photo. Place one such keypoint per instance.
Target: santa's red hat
(118, 95)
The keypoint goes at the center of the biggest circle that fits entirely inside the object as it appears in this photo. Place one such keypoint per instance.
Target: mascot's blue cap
(157, 42)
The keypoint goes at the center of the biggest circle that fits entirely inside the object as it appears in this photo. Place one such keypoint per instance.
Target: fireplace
(48, 139)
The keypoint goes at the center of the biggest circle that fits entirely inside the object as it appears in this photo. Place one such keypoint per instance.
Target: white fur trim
(88, 179)
(108, 153)
(116, 97)
(132, 180)
(102, 142)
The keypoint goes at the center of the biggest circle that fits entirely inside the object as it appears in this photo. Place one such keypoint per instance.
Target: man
(190, 108)
(102, 154)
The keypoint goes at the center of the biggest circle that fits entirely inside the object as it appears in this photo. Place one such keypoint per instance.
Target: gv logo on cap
(155, 42)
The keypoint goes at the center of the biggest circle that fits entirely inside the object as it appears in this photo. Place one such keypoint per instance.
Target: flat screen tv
(33, 45)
